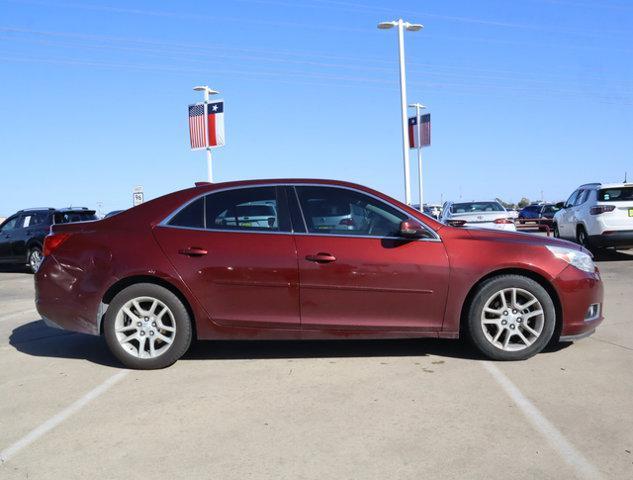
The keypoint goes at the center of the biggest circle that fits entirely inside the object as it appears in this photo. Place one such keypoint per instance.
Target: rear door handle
(321, 258)
(193, 251)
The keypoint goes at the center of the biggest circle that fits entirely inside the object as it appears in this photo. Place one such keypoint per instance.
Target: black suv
(22, 234)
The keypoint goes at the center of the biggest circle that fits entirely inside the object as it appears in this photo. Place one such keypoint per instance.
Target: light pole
(418, 107)
(207, 91)
(412, 27)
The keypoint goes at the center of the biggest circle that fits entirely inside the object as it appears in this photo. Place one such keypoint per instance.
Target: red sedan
(308, 259)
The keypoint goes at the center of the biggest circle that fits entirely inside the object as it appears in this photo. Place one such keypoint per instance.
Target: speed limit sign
(137, 196)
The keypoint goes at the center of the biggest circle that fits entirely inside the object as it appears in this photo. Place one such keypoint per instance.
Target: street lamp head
(204, 88)
(414, 27)
(416, 105)
(387, 25)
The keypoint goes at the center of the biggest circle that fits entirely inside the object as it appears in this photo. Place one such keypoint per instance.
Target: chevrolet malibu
(189, 266)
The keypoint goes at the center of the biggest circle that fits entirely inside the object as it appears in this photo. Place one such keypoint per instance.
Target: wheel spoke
(493, 310)
(141, 346)
(164, 338)
(514, 298)
(162, 326)
(506, 340)
(152, 309)
(490, 321)
(531, 314)
(527, 304)
(137, 305)
(502, 294)
(530, 329)
(152, 350)
(130, 314)
(126, 328)
(129, 338)
(522, 337)
(498, 334)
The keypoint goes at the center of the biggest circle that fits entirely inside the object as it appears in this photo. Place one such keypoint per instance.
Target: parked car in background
(598, 216)
(113, 212)
(22, 234)
(483, 214)
(152, 278)
(541, 214)
(429, 209)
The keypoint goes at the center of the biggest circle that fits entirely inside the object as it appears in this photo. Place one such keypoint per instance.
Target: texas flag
(425, 131)
(215, 124)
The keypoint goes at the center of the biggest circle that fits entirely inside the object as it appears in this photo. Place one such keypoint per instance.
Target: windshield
(615, 194)
(472, 207)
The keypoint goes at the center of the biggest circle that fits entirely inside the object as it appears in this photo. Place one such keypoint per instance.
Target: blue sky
(525, 96)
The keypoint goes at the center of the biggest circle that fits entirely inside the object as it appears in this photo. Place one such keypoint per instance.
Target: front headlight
(578, 259)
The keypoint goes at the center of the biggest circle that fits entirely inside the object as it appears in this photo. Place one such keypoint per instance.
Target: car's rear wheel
(511, 317)
(556, 232)
(582, 238)
(34, 259)
(147, 327)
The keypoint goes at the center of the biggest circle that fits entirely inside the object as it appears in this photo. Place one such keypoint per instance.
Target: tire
(34, 258)
(556, 232)
(582, 238)
(147, 327)
(502, 341)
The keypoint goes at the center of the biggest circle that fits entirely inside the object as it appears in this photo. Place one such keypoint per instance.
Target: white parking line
(566, 450)
(17, 314)
(52, 422)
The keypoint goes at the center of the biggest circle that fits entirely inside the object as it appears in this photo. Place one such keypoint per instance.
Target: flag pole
(417, 114)
(209, 168)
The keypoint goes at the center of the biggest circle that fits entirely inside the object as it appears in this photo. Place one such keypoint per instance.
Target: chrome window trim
(165, 221)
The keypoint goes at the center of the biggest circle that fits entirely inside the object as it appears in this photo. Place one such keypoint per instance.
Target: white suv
(598, 216)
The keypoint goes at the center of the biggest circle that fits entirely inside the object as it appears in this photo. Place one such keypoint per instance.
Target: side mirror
(560, 205)
(412, 229)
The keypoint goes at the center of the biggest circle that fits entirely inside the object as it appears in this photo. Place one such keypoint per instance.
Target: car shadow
(612, 256)
(13, 269)
(36, 339)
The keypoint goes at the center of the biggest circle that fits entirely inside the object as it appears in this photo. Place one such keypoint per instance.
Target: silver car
(483, 214)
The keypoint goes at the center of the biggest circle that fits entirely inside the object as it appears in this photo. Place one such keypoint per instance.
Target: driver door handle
(321, 258)
(193, 251)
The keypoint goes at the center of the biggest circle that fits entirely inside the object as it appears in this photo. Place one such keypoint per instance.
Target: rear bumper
(59, 301)
(621, 238)
(578, 291)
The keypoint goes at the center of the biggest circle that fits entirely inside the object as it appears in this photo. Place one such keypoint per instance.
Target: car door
(565, 227)
(7, 231)
(243, 272)
(362, 275)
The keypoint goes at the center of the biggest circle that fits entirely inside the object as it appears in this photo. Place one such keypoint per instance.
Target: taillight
(53, 241)
(598, 209)
(503, 220)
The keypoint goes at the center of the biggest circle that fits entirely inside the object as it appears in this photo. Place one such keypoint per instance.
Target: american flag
(414, 140)
(197, 125)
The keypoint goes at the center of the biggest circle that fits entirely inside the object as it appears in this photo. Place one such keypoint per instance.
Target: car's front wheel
(511, 317)
(147, 327)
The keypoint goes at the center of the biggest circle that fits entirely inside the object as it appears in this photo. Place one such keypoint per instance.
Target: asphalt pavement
(316, 410)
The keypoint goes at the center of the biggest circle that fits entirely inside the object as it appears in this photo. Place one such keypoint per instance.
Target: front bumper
(578, 291)
(612, 239)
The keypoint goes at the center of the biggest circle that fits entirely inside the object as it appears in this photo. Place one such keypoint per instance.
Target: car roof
(615, 185)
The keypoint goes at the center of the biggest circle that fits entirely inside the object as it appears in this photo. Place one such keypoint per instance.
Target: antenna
(624, 177)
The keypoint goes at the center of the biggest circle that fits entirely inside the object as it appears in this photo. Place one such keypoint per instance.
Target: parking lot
(303, 410)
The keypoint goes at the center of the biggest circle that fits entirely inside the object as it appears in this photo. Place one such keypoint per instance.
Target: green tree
(524, 202)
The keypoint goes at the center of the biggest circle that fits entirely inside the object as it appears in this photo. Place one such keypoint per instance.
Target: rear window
(615, 194)
(255, 211)
(72, 217)
(476, 207)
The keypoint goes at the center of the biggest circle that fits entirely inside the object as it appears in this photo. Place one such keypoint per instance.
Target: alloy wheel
(512, 319)
(35, 260)
(145, 327)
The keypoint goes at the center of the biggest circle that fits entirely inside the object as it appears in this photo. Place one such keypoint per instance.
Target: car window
(572, 198)
(10, 224)
(72, 217)
(191, 216)
(339, 211)
(254, 208)
(470, 207)
(581, 198)
(550, 209)
(616, 194)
